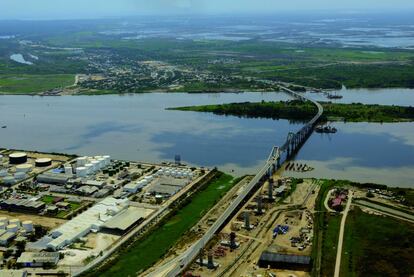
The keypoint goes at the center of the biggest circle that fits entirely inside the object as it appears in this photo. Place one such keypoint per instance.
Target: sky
(63, 9)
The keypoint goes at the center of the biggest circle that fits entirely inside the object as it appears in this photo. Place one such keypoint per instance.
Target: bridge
(292, 144)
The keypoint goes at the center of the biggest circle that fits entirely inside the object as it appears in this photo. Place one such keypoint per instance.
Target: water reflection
(366, 152)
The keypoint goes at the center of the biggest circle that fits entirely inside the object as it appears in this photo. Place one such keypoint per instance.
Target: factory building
(81, 225)
(22, 205)
(38, 259)
(285, 261)
(125, 220)
(53, 178)
(6, 237)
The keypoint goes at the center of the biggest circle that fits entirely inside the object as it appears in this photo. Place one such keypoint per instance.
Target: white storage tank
(14, 221)
(107, 159)
(19, 175)
(4, 220)
(3, 172)
(9, 180)
(3, 226)
(81, 171)
(89, 168)
(24, 167)
(27, 225)
(81, 161)
(95, 164)
(12, 228)
(101, 162)
(68, 170)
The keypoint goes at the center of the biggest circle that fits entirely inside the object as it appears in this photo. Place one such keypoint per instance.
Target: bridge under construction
(277, 157)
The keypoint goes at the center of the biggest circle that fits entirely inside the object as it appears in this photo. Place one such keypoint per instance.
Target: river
(137, 127)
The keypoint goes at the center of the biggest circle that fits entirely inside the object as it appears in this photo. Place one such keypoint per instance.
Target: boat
(334, 96)
(4, 127)
(326, 129)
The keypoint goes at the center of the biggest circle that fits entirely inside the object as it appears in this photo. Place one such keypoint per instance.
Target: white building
(81, 225)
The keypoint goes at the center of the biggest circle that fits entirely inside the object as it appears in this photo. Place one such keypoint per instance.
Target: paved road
(386, 209)
(341, 236)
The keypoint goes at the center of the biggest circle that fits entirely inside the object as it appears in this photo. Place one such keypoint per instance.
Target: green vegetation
(407, 195)
(27, 84)
(47, 199)
(224, 65)
(377, 246)
(302, 111)
(326, 228)
(404, 210)
(144, 253)
(293, 186)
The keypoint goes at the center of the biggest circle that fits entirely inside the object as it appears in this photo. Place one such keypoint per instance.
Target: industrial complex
(60, 212)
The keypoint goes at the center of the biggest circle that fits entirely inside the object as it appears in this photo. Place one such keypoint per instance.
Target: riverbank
(302, 111)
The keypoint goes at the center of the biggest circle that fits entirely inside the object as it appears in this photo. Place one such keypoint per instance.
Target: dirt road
(341, 236)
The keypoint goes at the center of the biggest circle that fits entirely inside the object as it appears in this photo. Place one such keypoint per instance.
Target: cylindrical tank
(43, 162)
(19, 175)
(89, 167)
(3, 172)
(81, 171)
(101, 162)
(18, 158)
(14, 221)
(4, 220)
(12, 228)
(24, 167)
(27, 225)
(68, 170)
(95, 165)
(3, 226)
(81, 161)
(8, 180)
(107, 159)
(158, 199)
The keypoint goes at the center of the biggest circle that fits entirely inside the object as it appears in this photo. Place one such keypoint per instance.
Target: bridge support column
(246, 220)
(270, 190)
(201, 261)
(210, 262)
(259, 205)
(233, 244)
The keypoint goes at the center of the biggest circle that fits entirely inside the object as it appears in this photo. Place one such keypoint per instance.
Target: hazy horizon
(77, 9)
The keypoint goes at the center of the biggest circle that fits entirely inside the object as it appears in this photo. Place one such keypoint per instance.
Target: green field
(27, 83)
(144, 253)
(47, 199)
(377, 246)
(327, 231)
(303, 111)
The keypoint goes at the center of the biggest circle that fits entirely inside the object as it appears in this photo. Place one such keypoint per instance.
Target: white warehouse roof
(82, 224)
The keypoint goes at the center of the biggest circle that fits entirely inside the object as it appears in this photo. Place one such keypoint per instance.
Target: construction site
(271, 234)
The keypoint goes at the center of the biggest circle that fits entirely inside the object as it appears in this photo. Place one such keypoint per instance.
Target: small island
(300, 111)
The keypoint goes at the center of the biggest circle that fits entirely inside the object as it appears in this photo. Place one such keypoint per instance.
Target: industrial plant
(60, 211)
